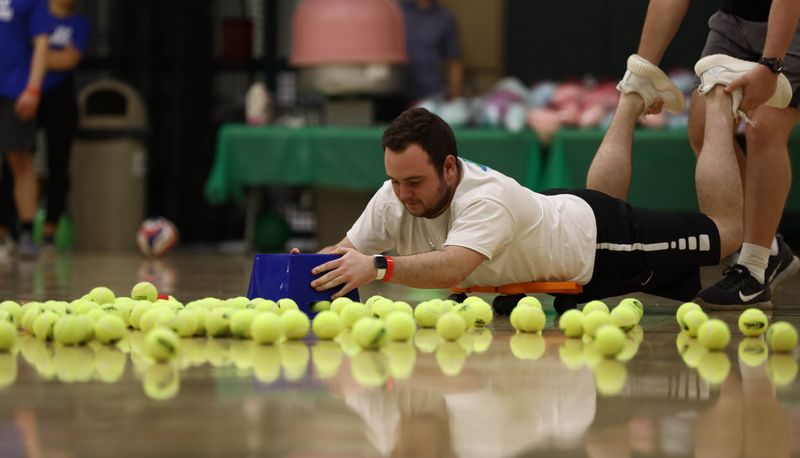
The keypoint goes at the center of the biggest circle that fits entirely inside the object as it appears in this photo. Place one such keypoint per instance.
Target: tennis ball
(451, 326)
(782, 369)
(8, 336)
(29, 316)
(530, 300)
(327, 325)
(782, 337)
(427, 340)
(483, 312)
(217, 322)
(634, 303)
(400, 326)
(112, 309)
(610, 376)
(571, 323)
(6, 315)
(465, 310)
(594, 320)
(161, 344)
(352, 312)
(238, 302)
(265, 328)
(109, 329)
(753, 322)
(241, 321)
(609, 340)
(326, 357)
(401, 358)
(68, 330)
(405, 307)
(286, 304)
(714, 367)
(527, 319)
(370, 333)
(527, 346)
(471, 299)
(294, 324)
(144, 291)
(624, 317)
(186, 323)
(692, 321)
(683, 310)
(382, 308)
(714, 334)
(450, 356)
(338, 304)
(101, 295)
(137, 311)
(371, 301)
(12, 307)
(43, 326)
(321, 306)
(427, 313)
(593, 306)
(159, 316)
(753, 351)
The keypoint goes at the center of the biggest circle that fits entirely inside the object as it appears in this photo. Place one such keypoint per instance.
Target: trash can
(109, 167)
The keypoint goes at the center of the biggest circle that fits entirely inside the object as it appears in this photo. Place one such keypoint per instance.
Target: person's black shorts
(15, 135)
(656, 252)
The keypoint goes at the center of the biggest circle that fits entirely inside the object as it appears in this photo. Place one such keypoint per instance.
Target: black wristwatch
(381, 265)
(774, 64)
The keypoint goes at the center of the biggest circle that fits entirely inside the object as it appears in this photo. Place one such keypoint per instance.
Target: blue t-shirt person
(62, 32)
(20, 22)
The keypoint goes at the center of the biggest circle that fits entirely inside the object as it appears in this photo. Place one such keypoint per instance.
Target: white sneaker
(6, 248)
(721, 69)
(651, 83)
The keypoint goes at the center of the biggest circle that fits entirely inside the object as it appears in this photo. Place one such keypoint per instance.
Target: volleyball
(156, 236)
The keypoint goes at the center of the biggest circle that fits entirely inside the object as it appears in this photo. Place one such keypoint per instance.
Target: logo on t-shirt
(6, 11)
(61, 36)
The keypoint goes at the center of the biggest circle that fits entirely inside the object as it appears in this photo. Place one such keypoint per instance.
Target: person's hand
(26, 106)
(352, 270)
(655, 108)
(757, 87)
(294, 251)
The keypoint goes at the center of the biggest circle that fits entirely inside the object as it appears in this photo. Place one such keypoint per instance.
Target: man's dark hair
(430, 132)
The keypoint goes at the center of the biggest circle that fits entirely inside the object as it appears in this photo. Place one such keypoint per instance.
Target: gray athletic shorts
(737, 37)
(15, 135)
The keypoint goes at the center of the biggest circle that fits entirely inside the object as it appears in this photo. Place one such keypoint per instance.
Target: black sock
(26, 227)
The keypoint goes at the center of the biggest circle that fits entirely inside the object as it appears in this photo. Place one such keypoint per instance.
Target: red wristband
(33, 90)
(389, 268)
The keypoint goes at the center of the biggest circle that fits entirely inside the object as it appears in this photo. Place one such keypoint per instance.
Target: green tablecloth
(345, 158)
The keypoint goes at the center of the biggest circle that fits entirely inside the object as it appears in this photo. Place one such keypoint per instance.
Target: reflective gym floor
(492, 393)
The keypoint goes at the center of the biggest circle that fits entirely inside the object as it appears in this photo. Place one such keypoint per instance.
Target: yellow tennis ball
(593, 306)
(109, 329)
(14, 308)
(405, 307)
(102, 295)
(530, 300)
(160, 316)
(782, 337)
(594, 320)
(483, 312)
(161, 344)
(217, 322)
(451, 326)
(753, 322)
(68, 330)
(266, 305)
(186, 323)
(8, 336)
(400, 326)
(684, 309)
(609, 340)
(29, 316)
(753, 351)
(624, 317)
(241, 322)
(144, 291)
(294, 324)
(635, 304)
(527, 318)
(692, 321)
(321, 306)
(265, 328)
(466, 312)
(714, 334)
(381, 308)
(371, 301)
(370, 333)
(238, 302)
(571, 323)
(327, 325)
(352, 312)
(286, 304)
(527, 346)
(427, 313)
(338, 304)
(43, 326)
(7, 316)
(714, 367)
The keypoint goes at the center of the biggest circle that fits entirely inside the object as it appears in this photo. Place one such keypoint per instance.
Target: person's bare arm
(435, 269)
(28, 102)
(64, 59)
(330, 249)
(455, 78)
(661, 23)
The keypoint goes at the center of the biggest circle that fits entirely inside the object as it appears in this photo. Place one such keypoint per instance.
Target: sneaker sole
(792, 269)
(732, 307)
(783, 90)
(661, 81)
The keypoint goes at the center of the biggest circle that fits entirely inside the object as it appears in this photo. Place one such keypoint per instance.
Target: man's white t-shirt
(524, 235)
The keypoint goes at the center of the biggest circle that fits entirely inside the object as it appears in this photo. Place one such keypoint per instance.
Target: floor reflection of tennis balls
(594, 306)
(624, 317)
(102, 295)
(634, 304)
(593, 321)
(692, 321)
(321, 306)
(217, 322)
(427, 314)
(327, 325)
(294, 359)
(186, 323)
(144, 291)
(753, 322)
(338, 304)
(14, 308)
(525, 345)
(161, 381)
(405, 307)
(109, 365)
(714, 334)
(242, 354)
(570, 352)
(481, 339)
(683, 310)
(714, 367)
(8, 336)
(610, 376)
(753, 351)
(265, 328)
(347, 343)
(109, 329)
(401, 357)
(451, 357)
(571, 323)
(73, 364)
(192, 352)
(161, 344)
(692, 353)
(266, 363)
(451, 326)
(400, 326)
(370, 369)
(609, 340)
(782, 369)
(241, 322)
(218, 352)
(370, 333)
(427, 340)
(326, 356)
(352, 312)
(782, 337)
(527, 318)
(629, 350)
(43, 326)
(286, 304)
(467, 342)
(8, 369)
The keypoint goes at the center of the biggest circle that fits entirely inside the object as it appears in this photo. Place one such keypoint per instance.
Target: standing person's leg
(7, 209)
